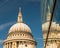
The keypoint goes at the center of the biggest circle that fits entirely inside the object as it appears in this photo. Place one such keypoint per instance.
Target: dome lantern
(20, 20)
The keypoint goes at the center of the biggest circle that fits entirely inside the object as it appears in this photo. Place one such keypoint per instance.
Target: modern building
(19, 35)
(54, 34)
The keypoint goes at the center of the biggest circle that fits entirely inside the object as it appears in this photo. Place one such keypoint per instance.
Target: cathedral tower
(20, 35)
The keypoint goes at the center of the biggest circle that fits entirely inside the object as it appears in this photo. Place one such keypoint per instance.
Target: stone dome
(19, 35)
(20, 27)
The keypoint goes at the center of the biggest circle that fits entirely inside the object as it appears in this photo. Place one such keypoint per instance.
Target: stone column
(20, 44)
(17, 44)
(14, 45)
(5, 46)
(9, 45)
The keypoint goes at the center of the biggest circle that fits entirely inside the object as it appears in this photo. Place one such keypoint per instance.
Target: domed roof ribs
(20, 20)
(48, 14)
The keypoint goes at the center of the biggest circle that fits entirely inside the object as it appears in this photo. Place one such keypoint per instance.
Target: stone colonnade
(11, 45)
(16, 44)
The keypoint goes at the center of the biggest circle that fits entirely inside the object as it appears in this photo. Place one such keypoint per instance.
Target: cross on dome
(20, 20)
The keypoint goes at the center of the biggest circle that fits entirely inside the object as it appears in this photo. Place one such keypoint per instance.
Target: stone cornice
(20, 32)
(16, 40)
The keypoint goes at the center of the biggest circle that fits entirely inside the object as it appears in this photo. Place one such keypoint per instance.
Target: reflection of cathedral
(19, 35)
(54, 35)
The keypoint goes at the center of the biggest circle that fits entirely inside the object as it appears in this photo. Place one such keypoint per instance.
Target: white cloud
(2, 26)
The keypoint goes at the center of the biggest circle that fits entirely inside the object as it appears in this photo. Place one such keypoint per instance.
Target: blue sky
(31, 16)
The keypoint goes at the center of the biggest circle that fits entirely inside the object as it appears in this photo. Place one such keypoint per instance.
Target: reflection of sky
(57, 10)
(45, 4)
(31, 16)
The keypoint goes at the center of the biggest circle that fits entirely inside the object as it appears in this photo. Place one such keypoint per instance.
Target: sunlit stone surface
(20, 35)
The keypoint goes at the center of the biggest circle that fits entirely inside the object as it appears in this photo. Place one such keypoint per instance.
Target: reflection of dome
(54, 33)
(54, 26)
(19, 27)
